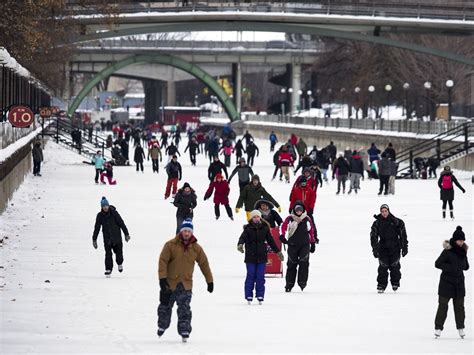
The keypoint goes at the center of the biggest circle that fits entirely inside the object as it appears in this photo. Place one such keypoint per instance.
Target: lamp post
(290, 92)
(357, 91)
(371, 91)
(310, 100)
(406, 87)
(343, 90)
(449, 85)
(300, 97)
(388, 88)
(283, 92)
(427, 86)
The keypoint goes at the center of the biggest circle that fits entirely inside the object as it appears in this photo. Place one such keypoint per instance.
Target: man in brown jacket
(175, 271)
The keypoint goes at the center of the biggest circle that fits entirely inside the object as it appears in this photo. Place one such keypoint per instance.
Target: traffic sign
(20, 116)
(45, 112)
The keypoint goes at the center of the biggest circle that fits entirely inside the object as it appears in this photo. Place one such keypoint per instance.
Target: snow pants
(242, 184)
(36, 167)
(172, 182)
(389, 262)
(384, 183)
(97, 174)
(255, 279)
(250, 160)
(109, 179)
(182, 297)
(217, 210)
(298, 263)
(139, 165)
(355, 181)
(192, 157)
(341, 179)
(227, 160)
(155, 165)
(286, 172)
(442, 313)
(117, 250)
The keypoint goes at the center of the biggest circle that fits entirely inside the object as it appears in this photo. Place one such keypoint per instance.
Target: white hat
(255, 213)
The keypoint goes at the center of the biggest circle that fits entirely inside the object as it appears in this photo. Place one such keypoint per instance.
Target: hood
(259, 202)
(449, 244)
(356, 157)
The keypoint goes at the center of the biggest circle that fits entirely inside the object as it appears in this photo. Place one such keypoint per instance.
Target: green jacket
(250, 194)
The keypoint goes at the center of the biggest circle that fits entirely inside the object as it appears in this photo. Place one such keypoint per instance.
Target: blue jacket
(373, 153)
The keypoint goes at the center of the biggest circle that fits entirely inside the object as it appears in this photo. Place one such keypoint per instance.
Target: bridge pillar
(153, 100)
(171, 93)
(237, 85)
(296, 86)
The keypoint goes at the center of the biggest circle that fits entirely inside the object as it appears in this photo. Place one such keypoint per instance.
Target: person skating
(252, 193)
(108, 173)
(185, 201)
(332, 150)
(305, 162)
(303, 193)
(267, 209)
(299, 233)
(216, 167)
(155, 153)
(388, 237)
(138, 157)
(452, 261)
(433, 164)
(175, 174)
(341, 171)
(273, 141)
(285, 160)
(384, 174)
(98, 161)
(227, 150)
(301, 148)
(177, 138)
(221, 195)
(253, 242)
(276, 156)
(446, 183)
(112, 226)
(312, 176)
(171, 151)
(164, 139)
(356, 169)
(373, 153)
(175, 272)
(323, 160)
(247, 137)
(252, 149)
(37, 154)
(244, 172)
(193, 147)
(239, 150)
(393, 176)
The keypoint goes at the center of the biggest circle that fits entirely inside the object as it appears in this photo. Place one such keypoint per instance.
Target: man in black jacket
(245, 173)
(388, 237)
(193, 147)
(112, 224)
(186, 201)
(217, 167)
(252, 149)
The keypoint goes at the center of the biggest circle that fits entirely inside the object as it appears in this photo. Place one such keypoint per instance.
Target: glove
(127, 238)
(94, 244)
(404, 252)
(376, 254)
(317, 240)
(237, 210)
(281, 256)
(210, 287)
(279, 209)
(283, 239)
(310, 212)
(164, 285)
(240, 248)
(312, 248)
(463, 191)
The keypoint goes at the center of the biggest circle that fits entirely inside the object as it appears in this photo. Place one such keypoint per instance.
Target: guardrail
(408, 126)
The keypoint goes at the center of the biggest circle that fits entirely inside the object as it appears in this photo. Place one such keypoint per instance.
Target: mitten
(279, 209)
(127, 238)
(240, 248)
(164, 285)
(404, 252)
(280, 256)
(312, 248)
(237, 210)
(210, 287)
(94, 244)
(283, 239)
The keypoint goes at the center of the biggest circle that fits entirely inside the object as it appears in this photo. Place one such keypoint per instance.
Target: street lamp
(357, 91)
(388, 88)
(449, 85)
(406, 87)
(371, 91)
(300, 93)
(343, 90)
(427, 86)
(310, 100)
(283, 92)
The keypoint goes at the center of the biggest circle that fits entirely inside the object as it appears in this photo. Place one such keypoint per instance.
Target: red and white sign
(20, 116)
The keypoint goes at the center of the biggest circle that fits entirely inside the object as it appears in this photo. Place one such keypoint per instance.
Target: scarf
(294, 223)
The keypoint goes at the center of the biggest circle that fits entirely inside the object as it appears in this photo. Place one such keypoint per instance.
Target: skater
(390, 152)
(452, 261)
(252, 149)
(175, 174)
(239, 150)
(341, 170)
(305, 162)
(269, 214)
(175, 271)
(98, 161)
(373, 153)
(273, 141)
(252, 193)
(446, 184)
(244, 172)
(213, 148)
(312, 176)
(193, 147)
(112, 224)
(177, 137)
(332, 150)
(247, 137)
(393, 176)
(276, 156)
(301, 148)
(227, 150)
(155, 153)
(108, 173)
(138, 157)
(253, 242)
(388, 237)
(171, 151)
(384, 174)
(303, 193)
(164, 139)
(37, 154)
(186, 201)
(433, 164)
(221, 195)
(216, 167)
(300, 234)
(356, 168)
(285, 160)
(323, 160)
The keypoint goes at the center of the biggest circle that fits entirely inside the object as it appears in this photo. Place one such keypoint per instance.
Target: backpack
(447, 182)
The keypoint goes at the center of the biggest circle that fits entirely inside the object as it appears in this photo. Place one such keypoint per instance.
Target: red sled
(274, 265)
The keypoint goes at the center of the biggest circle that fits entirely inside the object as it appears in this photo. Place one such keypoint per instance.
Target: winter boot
(462, 334)
(120, 268)
(160, 332)
(302, 286)
(107, 273)
(288, 289)
(380, 289)
(355, 191)
(395, 287)
(349, 192)
(231, 218)
(437, 333)
(337, 193)
(444, 214)
(217, 217)
(380, 192)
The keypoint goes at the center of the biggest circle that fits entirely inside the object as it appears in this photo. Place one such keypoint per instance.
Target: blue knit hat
(104, 202)
(187, 225)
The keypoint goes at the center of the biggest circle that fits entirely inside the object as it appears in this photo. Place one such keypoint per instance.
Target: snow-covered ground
(55, 299)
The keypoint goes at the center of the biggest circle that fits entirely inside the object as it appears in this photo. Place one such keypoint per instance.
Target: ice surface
(49, 225)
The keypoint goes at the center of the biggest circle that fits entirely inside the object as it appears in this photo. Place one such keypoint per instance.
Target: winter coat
(311, 181)
(139, 155)
(390, 152)
(176, 263)
(322, 158)
(384, 167)
(185, 202)
(304, 163)
(301, 147)
(388, 235)
(172, 150)
(250, 194)
(222, 190)
(304, 234)
(393, 168)
(98, 161)
(112, 225)
(356, 165)
(252, 149)
(227, 150)
(255, 238)
(154, 153)
(285, 159)
(216, 167)
(341, 166)
(174, 171)
(453, 261)
(272, 218)
(239, 149)
(373, 152)
(305, 194)
(244, 173)
(448, 193)
(332, 151)
(37, 153)
(193, 148)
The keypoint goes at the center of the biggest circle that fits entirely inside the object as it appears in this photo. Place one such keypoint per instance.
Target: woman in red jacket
(303, 193)
(221, 195)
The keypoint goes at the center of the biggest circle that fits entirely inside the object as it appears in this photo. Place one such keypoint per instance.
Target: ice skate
(160, 332)
(380, 289)
(260, 301)
(287, 289)
(107, 273)
(184, 339)
(437, 333)
(249, 301)
(395, 288)
(462, 334)
(120, 268)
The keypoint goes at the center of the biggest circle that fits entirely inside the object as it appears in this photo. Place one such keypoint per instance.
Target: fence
(407, 126)
(10, 134)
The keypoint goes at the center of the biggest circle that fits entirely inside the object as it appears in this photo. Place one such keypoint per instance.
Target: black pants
(272, 146)
(250, 158)
(442, 313)
(450, 202)
(276, 171)
(118, 251)
(36, 167)
(139, 166)
(242, 184)
(389, 262)
(192, 157)
(155, 165)
(167, 300)
(237, 158)
(384, 183)
(432, 171)
(227, 160)
(97, 174)
(217, 210)
(298, 263)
